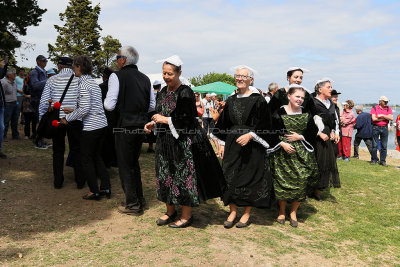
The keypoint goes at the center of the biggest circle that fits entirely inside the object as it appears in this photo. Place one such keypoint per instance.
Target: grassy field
(356, 225)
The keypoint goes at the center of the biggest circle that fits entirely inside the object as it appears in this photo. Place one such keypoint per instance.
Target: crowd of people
(279, 145)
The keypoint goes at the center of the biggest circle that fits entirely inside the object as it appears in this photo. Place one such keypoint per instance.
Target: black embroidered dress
(246, 169)
(187, 170)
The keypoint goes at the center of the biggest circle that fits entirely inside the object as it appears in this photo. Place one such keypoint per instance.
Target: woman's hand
(323, 136)
(67, 110)
(337, 138)
(332, 136)
(63, 121)
(157, 118)
(288, 148)
(221, 151)
(149, 126)
(395, 140)
(244, 139)
(293, 137)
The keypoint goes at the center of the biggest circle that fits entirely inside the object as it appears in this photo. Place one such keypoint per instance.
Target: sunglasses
(118, 57)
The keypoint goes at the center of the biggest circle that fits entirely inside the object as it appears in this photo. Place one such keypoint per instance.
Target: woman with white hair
(242, 133)
(187, 169)
(325, 108)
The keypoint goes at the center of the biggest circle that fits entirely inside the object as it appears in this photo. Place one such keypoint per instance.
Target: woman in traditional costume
(325, 108)
(242, 130)
(292, 159)
(294, 75)
(187, 169)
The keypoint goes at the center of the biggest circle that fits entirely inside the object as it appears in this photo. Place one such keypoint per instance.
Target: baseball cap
(41, 58)
(384, 98)
(67, 61)
(334, 92)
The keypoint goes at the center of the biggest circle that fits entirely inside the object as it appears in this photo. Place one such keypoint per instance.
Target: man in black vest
(131, 94)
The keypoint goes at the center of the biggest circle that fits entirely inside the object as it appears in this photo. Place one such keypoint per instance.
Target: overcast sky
(356, 42)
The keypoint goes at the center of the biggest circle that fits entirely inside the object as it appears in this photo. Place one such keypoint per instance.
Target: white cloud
(355, 42)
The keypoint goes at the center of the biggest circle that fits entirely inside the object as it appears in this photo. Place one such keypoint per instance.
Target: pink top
(378, 110)
(349, 119)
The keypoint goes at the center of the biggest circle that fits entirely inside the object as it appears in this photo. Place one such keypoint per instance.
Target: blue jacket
(363, 125)
(37, 81)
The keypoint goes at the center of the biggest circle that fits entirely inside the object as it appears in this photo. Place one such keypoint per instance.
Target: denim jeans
(1, 126)
(357, 142)
(11, 114)
(382, 133)
(208, 124)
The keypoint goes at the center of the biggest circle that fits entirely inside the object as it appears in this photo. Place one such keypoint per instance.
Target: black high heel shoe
(183, 225)
(171, 218)
(105, 193)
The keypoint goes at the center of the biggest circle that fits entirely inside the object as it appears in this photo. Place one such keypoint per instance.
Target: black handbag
(45, 128)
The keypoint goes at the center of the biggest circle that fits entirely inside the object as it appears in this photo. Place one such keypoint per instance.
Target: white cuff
(172, 128)
(222, 143)
(275, 148)
(259, 140)
(319, 123)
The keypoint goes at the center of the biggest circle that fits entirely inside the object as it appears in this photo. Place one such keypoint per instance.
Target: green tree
(212, 77)
(16, 16)
(80, 34)
(109, 49)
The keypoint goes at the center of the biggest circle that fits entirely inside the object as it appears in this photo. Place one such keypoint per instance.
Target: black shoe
(383, 164)
(281, 221)
(229, 224)
(373, 162)
(150, 150)
(2, 155)
(80, 186)
(171, 218)
(356, 157)
(183, 225)
(293, 223)
(243, 225)
(58, 186)
(125, 210)
(89, 196)
(105, 193)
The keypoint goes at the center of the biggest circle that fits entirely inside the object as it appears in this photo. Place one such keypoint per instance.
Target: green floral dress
(294, 174)
(176, 178)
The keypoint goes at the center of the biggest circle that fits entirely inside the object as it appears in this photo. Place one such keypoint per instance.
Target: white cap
(156, 82)
(295, 85)
(213, 94)
(238, 67)
(174, 60)
(298, 68)
(325, 79)
(345, 103)
(384, 98)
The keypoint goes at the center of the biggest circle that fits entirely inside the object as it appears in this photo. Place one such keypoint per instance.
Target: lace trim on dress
(172, 128)
(222, 143)
(259, 140)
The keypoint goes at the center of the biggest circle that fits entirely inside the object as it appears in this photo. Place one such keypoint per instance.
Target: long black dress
(246, 169)
(280, 99)
(325, 149)
(187, 169)
(294, 174)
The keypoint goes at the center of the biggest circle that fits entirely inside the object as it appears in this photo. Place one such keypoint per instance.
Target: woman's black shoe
(183, 225)
(229, 224)
(293, 223)
(243, 225)
(171, 218)
(90, 196)
(105, 193)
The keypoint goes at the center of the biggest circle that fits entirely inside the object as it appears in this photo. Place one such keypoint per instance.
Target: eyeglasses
(244, 77)
(118, 57)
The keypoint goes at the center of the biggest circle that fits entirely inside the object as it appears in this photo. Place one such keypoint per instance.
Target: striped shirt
(90, 106)
(54, 89)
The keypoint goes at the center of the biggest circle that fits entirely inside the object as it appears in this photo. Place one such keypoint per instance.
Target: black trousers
(73, 131)
(30, 118)
(92, 162)
(367, 141)
(128, 144)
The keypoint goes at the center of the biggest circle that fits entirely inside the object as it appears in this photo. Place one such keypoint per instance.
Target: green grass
(357, 224)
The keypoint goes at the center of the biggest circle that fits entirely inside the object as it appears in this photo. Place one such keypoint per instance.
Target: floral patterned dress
(180, 162)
